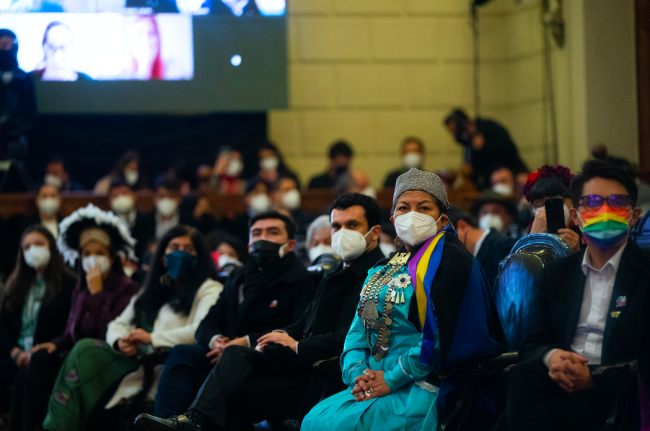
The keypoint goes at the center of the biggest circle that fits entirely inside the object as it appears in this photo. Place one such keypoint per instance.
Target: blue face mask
(180, 264)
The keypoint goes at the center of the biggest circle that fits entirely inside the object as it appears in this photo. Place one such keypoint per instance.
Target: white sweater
(169, 330)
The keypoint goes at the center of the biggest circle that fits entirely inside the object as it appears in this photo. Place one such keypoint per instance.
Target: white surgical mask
(270, 163)
(234, 168)
(131, 177)
(349, 244)
(101, 262)
(37, 256)
(224, 260)
(128, 271)
(167, 206)
(122, 204)
(319, 250)
(412, 160)
(491, 221)
(53, 180)
(387, 249)
(370, 192)
(503, 189)
(567, 213)
(259, 204)
(49, 206)
(415, 228)
(291, 199)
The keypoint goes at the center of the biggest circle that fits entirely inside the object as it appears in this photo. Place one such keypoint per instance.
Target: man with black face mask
(17, 105)
(488, 146)
(270, 292)
(340, 156)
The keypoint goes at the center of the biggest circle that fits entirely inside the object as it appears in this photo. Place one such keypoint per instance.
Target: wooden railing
(313, 201)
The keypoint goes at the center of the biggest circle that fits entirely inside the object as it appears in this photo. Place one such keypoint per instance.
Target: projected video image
(73, 47)
(238, 8)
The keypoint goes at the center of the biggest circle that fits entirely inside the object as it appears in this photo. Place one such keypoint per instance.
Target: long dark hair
(283, 170)
(179, 296)
(118, 171)
(23, 276)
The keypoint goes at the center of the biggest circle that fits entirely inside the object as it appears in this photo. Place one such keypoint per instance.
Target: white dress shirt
(599, 286)
(479, 243)
(52, 226)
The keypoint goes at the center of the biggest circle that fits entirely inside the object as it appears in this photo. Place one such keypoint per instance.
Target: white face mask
(131, 177)
(53, 180)
(503, 189)
(224, 260)
(101, 262)
(387, 249)
(414, 228)
(259, 204)
(491, 221)
(291, 199)
(49, 206)
(412, 160)
(37, 256)
(122, 204)
(234, 168)
(269, 163)
(128, 271)
(349, 244)
(370, 192)
(167, 206)
(567, 213)
(319, 250)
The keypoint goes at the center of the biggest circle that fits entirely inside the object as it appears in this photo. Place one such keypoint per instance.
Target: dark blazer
(281, 302)
(51, 323)
(557, 310)
(494, 249)
(322, 328)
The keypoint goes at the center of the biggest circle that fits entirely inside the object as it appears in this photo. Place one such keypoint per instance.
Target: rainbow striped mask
(606, 226)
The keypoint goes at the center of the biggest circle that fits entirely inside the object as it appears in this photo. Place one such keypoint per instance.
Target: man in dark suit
(586, 313)
(340, 156)
(270, 292)
(249, 386)
(488, 246)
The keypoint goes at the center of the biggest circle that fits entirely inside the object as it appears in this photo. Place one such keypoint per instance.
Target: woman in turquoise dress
(420, 313)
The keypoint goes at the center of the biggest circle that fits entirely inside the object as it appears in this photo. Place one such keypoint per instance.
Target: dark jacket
(51, 321)
(391, 178)
(325, 181)
(559, 301)
(275, 306)
(322, 328)
(90, 314)
(494, 249)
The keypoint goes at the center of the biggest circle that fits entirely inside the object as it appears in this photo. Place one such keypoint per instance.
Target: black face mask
(265, 254)
(8, 59)
(340, 170)
(462, 136)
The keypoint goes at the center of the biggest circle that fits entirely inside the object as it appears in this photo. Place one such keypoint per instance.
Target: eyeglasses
(594, 202)
(539, 203)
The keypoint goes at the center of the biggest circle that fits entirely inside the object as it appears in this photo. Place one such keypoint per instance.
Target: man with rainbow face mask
(586, 313)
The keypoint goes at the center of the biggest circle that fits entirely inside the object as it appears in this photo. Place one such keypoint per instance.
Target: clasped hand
(569, 370)
(129, 344)
(372, 382)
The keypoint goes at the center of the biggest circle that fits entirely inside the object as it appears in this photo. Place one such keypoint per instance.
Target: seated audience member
(270, 292)
(229, 248)
(412, 153)
(586, 314)
(58, 176)
(36, 303)
(502, 181)
(358, 183)
(90, 240)
(279, 369)
(319, 238)
(644, 363)
(226, 174)
(488, 246)
(257, 202)
(340, 156)
(121, 200)
(203, 177)
(48, 204)
(487, 144)
(286, 199)
(177, 295)
(387, 239)
(552, 182)
(390, 365)
(494, 211)
(126, 170)
(272, 168)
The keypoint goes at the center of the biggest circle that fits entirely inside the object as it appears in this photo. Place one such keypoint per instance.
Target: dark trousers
(246, 387)
(32, 390)
(535, 402)
(185, 371)
(8, 372)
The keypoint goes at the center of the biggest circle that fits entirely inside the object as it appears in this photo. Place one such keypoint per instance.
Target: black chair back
(520, 275)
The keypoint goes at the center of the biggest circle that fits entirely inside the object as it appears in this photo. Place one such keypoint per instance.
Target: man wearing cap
(421, 312)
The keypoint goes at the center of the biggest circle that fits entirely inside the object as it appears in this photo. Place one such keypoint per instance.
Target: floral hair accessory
(562, 172)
